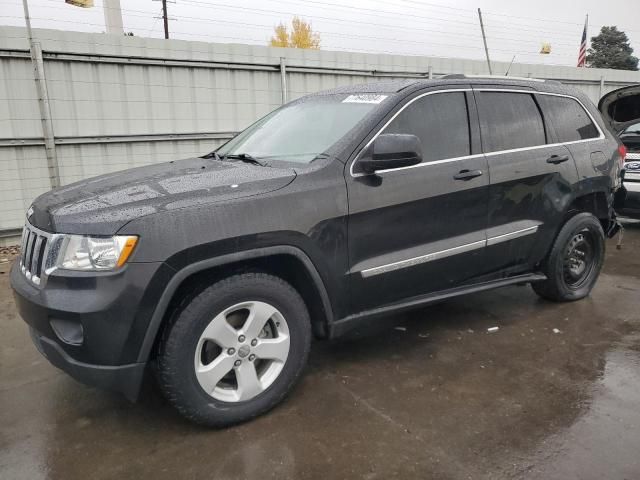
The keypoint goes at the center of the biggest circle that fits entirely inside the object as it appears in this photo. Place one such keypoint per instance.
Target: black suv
(214, 273)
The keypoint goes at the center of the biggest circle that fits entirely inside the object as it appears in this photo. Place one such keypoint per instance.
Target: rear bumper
(125, 379)
(631, 206)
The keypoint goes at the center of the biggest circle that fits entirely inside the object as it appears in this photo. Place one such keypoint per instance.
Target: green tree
(301, 35)
(611, 49)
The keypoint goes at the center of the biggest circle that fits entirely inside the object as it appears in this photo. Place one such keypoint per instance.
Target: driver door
(420, 229)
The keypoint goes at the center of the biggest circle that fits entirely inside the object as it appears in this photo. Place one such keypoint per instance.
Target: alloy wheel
(242, 351)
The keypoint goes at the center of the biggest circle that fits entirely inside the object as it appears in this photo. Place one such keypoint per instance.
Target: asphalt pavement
(553, 393)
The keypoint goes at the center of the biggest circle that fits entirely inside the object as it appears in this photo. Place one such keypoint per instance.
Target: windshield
(301, 131)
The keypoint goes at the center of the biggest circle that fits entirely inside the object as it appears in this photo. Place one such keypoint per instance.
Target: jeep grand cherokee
(214, 273)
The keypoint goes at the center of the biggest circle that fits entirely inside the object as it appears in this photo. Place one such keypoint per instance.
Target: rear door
(531, 178)
(419, 229)
(572, 125)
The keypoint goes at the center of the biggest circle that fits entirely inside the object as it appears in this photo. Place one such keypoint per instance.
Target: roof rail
(501, 77)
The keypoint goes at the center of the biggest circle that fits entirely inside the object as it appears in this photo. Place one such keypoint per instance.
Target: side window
(441, 123)
(568, 118)
(509, 120)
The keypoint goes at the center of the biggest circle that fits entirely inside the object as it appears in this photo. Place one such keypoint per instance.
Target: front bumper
(91, 326)
(125, 379)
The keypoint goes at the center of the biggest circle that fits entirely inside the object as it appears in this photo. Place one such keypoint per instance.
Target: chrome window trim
(430, 257)
(422, 95)
(600, 136)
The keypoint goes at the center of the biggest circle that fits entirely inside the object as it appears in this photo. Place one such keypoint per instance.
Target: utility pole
(165, 18)
(484, 39)
(43, 102)
(113, 17)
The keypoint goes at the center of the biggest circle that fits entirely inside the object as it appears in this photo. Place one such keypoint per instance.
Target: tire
(574, 263)
(190, 361)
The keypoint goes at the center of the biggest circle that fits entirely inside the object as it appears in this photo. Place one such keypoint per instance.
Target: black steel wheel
(575, 260)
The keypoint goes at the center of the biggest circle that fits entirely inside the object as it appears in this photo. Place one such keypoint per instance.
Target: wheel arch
(595, 202)
(287, 262)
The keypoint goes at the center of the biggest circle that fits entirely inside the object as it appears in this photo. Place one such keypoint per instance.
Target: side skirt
(343, 325)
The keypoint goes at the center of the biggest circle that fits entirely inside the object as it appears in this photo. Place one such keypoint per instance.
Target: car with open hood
(621, 110)
(213, 274)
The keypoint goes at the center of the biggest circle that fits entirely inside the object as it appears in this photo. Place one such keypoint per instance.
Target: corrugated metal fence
(118, 102)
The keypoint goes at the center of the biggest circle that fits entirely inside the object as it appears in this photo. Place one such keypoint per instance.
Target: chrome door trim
(430, 257)
(511, 235)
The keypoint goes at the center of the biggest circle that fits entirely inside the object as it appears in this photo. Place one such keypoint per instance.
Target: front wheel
(235, 350)
(574, 263)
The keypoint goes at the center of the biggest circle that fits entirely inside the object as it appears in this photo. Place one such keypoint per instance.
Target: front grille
(632, 156)
(33, 253)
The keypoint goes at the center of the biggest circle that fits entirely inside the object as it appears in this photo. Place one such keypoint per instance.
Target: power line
(378, 25)
(322, 32)
(500, 36)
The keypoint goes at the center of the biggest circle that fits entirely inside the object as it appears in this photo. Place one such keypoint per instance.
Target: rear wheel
(235, 350)
(574, 263)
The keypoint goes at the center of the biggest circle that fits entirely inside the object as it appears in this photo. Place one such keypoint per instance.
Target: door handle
(467, 174)
(556, 159)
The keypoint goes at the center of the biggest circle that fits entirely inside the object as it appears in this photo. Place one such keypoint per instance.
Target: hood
(104, 204)
(621, 108)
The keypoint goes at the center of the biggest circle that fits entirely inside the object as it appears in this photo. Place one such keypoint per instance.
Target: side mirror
(392, 150)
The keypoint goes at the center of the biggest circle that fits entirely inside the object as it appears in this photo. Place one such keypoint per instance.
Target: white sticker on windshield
(364, 98)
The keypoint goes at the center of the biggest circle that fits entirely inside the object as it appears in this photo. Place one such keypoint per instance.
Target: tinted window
(441, 123)
(569, 119)
(509, 120)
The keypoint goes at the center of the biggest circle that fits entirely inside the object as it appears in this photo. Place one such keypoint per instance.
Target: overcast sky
(412, 27)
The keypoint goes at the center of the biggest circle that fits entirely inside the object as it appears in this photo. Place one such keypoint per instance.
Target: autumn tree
(611, 49)
(300, 36)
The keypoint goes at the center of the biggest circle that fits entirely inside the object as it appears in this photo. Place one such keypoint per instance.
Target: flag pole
(586, 41)
(586, 28)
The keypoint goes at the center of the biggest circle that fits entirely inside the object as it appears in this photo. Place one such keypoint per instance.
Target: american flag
(582, 55)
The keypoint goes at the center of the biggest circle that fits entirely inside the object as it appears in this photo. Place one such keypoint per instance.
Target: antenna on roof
(509, 67)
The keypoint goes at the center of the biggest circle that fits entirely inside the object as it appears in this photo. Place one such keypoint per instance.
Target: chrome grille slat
(34, 252)
(23, 244)
(27, 254)
(40, 264)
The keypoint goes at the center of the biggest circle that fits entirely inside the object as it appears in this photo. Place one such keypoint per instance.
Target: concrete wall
(118, 102)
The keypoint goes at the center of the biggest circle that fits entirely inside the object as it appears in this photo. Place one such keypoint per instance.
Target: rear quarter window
(568, 118)
(509, 121)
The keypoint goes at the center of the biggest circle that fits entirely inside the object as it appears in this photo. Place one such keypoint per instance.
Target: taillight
(622, 150)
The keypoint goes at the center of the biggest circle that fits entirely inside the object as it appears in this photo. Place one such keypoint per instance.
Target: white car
(621, 108)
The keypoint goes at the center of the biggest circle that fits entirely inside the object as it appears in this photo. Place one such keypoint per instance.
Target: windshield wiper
(245, 157)
(213, 155)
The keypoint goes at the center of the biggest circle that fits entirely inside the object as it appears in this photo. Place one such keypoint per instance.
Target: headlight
(78, 252)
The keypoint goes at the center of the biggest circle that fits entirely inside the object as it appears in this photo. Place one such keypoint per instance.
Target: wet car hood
(102, 205)
(621, 108)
